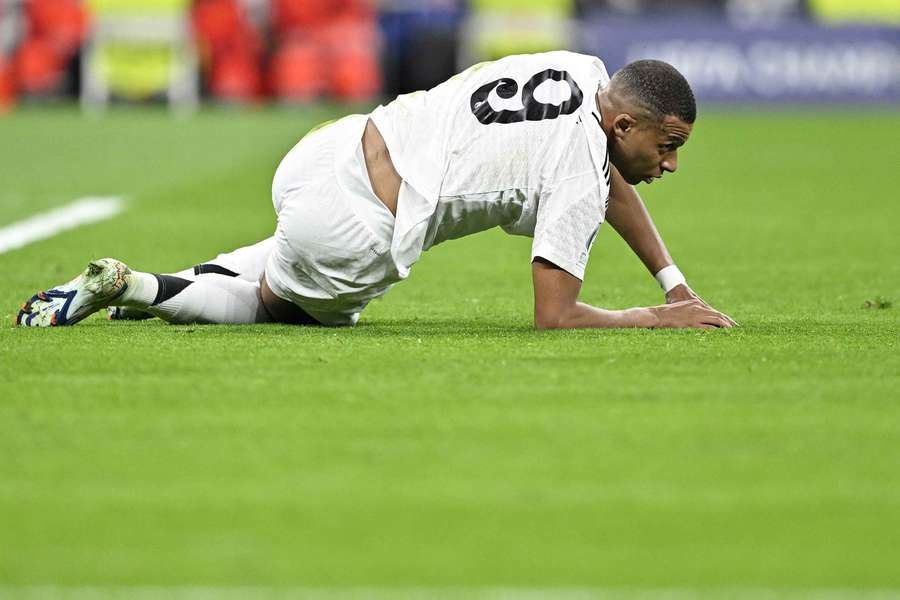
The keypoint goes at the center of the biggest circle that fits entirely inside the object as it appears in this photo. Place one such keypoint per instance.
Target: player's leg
(216, 297)
(210, 299)
(281, 310)
(213, 298)
(330, 257)
(247, 263)
(332, 247)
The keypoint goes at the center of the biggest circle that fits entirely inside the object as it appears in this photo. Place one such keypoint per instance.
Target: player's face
(646, 149)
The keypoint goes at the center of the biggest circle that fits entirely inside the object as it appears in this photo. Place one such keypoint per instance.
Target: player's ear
(623, 123)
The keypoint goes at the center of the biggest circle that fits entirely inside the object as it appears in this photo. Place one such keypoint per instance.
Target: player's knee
(280, 310)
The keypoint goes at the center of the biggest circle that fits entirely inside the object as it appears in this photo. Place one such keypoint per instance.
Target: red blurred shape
(217, 22)
(295, 72)
(63, 22)
(296, 16)
(236, 77)
(355, 71)
(38, 67)
(325, 46)
(231, 49)
(7, 84)
(291, 16)
(355, 77)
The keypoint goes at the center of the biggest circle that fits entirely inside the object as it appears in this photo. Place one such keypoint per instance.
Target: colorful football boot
(97, 287)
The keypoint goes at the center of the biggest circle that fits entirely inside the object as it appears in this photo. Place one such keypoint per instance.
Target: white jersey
(514, 143)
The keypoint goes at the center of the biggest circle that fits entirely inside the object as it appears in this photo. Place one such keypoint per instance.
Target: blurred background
(249, 52)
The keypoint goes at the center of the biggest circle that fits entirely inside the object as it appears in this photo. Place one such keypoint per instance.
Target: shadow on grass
(481, 328)
(432, 329)
(386, 329)
(367, 329)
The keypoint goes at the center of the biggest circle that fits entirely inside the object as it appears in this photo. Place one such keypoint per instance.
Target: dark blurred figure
(421, 43)
(737, 10)
(651, 7)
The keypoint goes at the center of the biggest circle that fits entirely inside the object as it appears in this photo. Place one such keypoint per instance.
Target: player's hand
(680, 293)
(690, 313)
(683, 292)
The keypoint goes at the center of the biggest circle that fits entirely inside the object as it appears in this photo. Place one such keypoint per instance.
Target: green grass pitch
(442, 447)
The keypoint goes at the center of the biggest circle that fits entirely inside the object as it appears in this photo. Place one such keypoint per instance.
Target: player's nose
(670, 163)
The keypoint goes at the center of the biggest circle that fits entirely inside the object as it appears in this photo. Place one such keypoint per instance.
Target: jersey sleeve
(568, 219)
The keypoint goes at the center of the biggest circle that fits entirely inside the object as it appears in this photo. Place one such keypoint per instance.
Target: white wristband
(669, 277)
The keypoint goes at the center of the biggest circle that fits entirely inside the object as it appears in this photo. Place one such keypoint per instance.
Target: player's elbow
(544, 323)
(549, 319)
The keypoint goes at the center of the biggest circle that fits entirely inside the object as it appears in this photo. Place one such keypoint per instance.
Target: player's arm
(556, 306)
(629, 217)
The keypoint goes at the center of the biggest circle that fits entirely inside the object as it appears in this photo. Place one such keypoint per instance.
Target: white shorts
(332, 250)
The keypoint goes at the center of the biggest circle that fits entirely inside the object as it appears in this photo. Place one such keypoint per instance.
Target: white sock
(209, 299)
(141, 291)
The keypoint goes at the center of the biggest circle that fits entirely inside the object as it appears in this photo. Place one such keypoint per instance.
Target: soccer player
(543, 145)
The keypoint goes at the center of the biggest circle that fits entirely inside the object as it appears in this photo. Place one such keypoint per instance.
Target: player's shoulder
(559, 59)
(583, 68)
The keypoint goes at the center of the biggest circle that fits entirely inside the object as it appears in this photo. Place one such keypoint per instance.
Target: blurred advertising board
(784, 62)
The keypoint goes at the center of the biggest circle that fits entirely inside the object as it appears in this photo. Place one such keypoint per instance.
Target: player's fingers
(716, 319)
(731, 322)
(723, 322)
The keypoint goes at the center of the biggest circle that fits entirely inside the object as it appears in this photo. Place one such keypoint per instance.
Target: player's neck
(605, 107)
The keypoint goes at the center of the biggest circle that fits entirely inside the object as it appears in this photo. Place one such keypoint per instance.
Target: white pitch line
(47, 224)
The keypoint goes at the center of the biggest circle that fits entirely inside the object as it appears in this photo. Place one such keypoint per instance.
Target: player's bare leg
(280, 310)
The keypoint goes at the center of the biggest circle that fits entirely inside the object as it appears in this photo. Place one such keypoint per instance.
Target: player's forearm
(585, 316)
(629, 217)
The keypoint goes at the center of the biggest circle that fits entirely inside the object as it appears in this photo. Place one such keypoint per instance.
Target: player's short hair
(657, 87)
